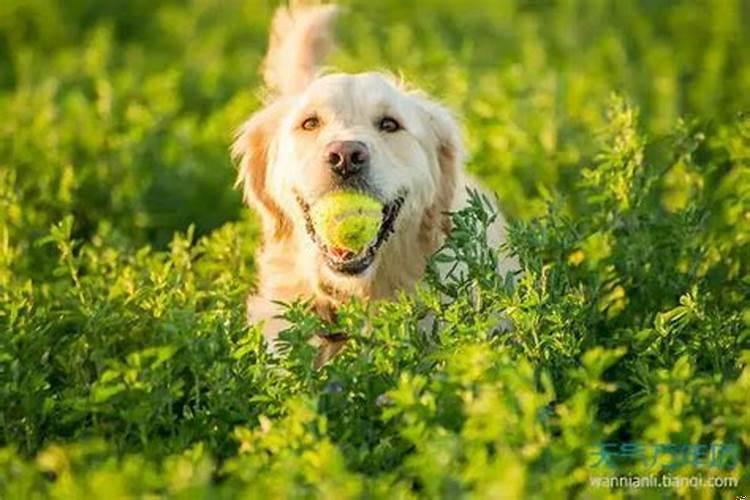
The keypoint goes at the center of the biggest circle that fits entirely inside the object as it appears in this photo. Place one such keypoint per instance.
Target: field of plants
(617, 137)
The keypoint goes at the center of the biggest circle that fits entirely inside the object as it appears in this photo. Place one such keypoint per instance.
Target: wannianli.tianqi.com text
(663, 481)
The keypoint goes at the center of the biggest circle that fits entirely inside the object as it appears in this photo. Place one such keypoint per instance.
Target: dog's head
(363, 132)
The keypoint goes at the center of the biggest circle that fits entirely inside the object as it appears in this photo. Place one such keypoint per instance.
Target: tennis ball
(347, 220)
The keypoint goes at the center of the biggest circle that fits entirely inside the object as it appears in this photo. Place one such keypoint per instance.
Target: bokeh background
(126, 366)
(123, 111)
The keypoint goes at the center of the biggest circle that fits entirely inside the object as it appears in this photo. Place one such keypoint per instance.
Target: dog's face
(360, 132)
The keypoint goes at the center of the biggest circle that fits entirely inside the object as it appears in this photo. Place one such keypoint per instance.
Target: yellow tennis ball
(346, 219)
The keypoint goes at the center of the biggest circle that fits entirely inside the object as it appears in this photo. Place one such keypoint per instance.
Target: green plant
(126, 364)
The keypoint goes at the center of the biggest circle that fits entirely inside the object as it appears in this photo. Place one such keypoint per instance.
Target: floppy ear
(251, 150)
(450, 156)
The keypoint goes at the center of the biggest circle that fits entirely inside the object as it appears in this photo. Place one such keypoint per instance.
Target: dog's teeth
(345, 260)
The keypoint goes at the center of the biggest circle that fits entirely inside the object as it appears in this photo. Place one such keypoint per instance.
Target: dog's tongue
(342, 253)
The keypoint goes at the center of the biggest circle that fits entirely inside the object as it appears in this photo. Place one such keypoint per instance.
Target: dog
(323, 131)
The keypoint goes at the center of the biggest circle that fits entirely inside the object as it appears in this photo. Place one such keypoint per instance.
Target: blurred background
(121, 112)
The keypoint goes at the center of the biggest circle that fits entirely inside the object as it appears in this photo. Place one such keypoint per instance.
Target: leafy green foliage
(127, 367)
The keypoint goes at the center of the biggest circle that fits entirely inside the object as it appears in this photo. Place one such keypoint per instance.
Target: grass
(617, 137)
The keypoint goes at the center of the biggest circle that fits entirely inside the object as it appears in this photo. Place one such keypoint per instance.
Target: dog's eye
(310, 123)
(388, 124)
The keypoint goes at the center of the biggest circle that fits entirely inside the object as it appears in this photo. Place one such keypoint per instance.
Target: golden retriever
(321, 132)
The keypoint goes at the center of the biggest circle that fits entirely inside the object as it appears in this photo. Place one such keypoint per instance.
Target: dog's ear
(251, 150)
(450, 157)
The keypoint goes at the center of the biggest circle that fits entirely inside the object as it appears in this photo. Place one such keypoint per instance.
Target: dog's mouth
(346, 261)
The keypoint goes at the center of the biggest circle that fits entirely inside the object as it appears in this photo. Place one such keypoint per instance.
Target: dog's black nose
(347, 158)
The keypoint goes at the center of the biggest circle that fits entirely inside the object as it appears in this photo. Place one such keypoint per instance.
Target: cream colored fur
(279, 161)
